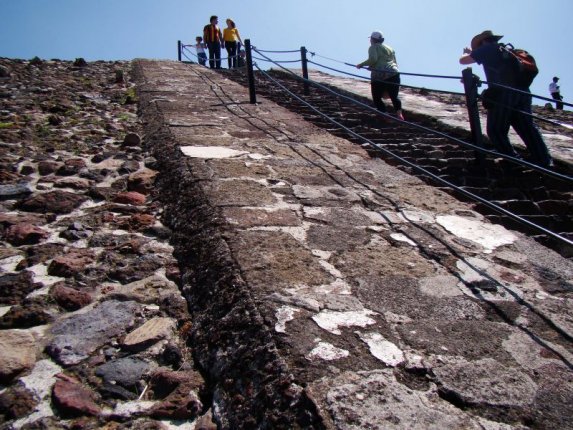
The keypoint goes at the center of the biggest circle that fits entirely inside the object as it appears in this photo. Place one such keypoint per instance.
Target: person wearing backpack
(506, 107)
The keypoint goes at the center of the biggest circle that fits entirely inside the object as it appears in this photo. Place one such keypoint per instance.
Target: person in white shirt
(556, 93)
(200, 48)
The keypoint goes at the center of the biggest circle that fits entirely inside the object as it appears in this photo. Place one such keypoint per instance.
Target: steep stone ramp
(331, 290)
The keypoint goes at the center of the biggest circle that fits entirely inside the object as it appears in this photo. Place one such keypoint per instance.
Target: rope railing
(517, 90)
(421, 170)
(390, 83)
(277, 52)
(185, 48)
(478, 145)
(424, 75)
(429, 130)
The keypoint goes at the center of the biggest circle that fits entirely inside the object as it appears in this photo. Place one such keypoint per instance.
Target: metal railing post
(178, 50)
(304, 70)
(250, 74)
(471, 89)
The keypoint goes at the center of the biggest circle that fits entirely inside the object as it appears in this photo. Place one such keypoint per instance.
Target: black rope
(402, 73)
(422, 170)
(429, 130)
(391, 83)
(525, 92)
(530, 114)
(276, 52)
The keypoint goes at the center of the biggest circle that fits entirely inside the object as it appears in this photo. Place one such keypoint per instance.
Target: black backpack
(521, 67)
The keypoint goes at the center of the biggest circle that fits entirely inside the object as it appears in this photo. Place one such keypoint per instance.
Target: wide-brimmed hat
(484, 35)
(376, 35)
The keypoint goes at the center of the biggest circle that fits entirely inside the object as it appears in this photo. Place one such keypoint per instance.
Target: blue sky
(428, 35)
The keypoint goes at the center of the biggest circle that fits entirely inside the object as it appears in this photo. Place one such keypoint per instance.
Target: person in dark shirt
(213, 37)
(506, 108)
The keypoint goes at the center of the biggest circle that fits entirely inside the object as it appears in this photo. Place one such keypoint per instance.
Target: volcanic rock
(15, 286)
(69, 298)
(126, 372)
(59, 202)
(75, 338)
(73, 399)
(17, 353)
(25, 234)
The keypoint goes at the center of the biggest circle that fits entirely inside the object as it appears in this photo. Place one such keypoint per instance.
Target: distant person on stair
(556, 93)
(385, 77)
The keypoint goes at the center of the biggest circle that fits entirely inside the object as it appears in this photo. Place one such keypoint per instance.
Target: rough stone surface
(152, 331)
(76, 337)
(25, 234)
(127, 372)
(17, 353)
(70, 298)
(59, 202)
(72, 399)
(325, 288)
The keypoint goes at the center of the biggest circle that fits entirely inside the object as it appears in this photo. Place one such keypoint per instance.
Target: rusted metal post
(250, 74)
(471, 89)
(179, 50)
(304, 70)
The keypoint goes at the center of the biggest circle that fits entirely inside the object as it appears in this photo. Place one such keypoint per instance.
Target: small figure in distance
(507, 108)
(232, 42)
(242, 58)
(555, 91)
(200, 48)
(214, 39)
(385, 77)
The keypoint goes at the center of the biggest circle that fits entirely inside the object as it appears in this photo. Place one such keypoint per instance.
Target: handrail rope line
(391, 83)
(206, 60)
(402, 73)
(517, 90)
(422, 170)
(547, 319)
(222, 58)
(446, 92)
(277, 52)
(411, 74)
(451, 77)
(453, 139)
(436, 132)
(279, 62)
(532, 115)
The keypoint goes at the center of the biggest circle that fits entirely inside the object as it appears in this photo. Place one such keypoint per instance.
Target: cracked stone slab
(486, 382)
(356, 400)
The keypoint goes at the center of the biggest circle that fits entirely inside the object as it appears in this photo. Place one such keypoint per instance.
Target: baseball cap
(376, 35)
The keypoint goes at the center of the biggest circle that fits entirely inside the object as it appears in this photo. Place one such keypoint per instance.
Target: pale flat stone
(211, 152)
(489, 236)
(332, 321)
(17, 353)
(383, 349)
(326, 351)
(152, 331)
(150, 290)
(284, 314)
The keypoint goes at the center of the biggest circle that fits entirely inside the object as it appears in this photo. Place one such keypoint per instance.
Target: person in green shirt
(385, 77)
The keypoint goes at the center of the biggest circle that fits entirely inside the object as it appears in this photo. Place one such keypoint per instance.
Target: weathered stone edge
(250, 382)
